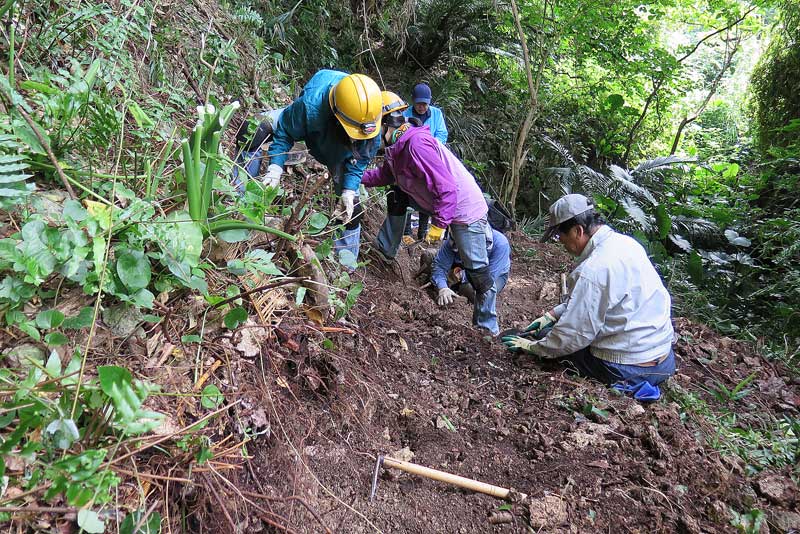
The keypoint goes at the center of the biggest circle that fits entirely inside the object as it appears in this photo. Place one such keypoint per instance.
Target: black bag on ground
(499, 217)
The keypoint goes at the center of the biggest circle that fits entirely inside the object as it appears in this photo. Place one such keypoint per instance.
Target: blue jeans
(350, 237)
(609, 373)
(251, 163)
(470, 239)
(485, 313)
(391, 235)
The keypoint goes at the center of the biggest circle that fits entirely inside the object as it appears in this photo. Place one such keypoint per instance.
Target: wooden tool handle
(461, 482)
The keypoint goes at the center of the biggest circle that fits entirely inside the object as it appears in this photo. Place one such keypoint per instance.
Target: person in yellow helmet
(338, 115)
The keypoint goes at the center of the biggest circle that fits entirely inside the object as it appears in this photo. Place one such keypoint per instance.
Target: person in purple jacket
(438, 183)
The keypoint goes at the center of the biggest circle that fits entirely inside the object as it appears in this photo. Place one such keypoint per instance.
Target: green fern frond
(658, 164)
(626, 182)
(14, 187)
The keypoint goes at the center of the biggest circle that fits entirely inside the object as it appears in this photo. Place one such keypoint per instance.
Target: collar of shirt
(424, 117)
(599, 236)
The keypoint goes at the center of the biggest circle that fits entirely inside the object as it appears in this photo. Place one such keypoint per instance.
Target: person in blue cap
(615, 325)
(433, 118)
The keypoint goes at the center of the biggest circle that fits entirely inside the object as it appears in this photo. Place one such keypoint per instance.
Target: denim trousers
(348, 238)
(471, 242)
(609, 373)
(251, 163)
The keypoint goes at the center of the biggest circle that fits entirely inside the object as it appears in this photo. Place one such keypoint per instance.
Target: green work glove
(542, 322)
(517, 343)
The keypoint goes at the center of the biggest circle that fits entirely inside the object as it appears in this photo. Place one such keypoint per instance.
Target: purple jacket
(430, 174)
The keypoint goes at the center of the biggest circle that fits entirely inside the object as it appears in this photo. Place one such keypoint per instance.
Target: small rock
(124, 320)
(405, 454)
(785, 521)
(689, 525)
(773, 488)
(634, 410)
(23, 355)
(548, 512)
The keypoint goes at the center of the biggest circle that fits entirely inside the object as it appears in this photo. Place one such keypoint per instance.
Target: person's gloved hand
(408, 240)
(348, 199)
(517, 343)
(446, 296)
(434, 234)
(273, 176)
(542, 322)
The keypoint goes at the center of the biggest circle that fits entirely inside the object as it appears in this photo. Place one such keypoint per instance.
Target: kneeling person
(448, 259)
(615, 326)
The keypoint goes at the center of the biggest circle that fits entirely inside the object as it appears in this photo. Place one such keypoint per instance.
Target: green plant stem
(90, 174)
(11, 77)
(230, 224)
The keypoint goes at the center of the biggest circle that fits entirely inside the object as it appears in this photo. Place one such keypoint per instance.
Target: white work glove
(273, 176)
(446, 296)
(348, 198)
(518, 344)
(542, 322)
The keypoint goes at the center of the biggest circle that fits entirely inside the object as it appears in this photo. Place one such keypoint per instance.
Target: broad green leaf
(300, 295)
(49, 319)
(143, 298)
(235, 317)
(663, 221)
(99, 212)
(152, 525)
(203, 455)
(84, 319)
(695, 267)
(53, 366)
(237, 267)
(89, 521)
(736, 239)
(317, 223)
(234, 236)
(191, 338)
(133, 269)
(56, 339)
(211, 397)
(615, 101)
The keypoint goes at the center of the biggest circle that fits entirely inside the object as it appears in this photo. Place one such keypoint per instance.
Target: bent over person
(447, 273)
(615, 326)
(338, 115)
(426, 171)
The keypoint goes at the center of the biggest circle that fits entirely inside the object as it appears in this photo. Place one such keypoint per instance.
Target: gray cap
(564, 209)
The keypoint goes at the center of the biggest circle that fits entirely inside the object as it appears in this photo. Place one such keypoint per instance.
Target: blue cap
(422, 93)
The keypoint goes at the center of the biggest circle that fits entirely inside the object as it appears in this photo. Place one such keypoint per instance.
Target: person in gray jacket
(615, 325)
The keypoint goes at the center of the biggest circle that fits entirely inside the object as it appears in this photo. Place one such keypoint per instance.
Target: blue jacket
(435, 122)
(499, 259)
(310, 118)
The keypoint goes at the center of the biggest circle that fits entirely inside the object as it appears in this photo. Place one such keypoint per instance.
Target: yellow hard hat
(392, 102)
(356, 101)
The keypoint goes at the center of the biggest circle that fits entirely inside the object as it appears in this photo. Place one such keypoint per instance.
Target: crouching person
(426, 171)
(615, 326)
(447, 273)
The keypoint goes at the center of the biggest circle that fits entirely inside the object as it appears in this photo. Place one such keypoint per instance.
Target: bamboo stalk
(449, 478)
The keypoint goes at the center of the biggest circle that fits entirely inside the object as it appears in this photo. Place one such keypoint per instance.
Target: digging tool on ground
(442, 476)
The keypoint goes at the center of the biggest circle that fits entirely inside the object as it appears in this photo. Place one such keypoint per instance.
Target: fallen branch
(272, 285)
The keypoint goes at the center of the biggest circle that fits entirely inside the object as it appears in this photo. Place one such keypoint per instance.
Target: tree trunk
(519, 153)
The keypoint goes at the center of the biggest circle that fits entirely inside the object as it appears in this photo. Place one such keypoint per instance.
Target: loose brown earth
(402, 377)
(420, 383)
